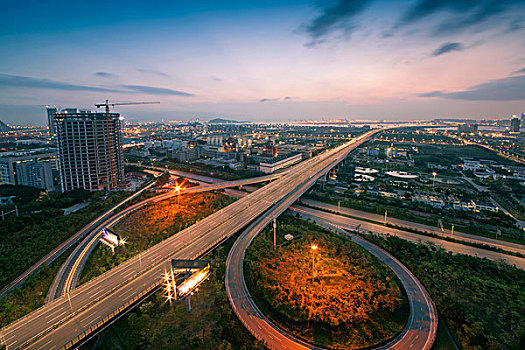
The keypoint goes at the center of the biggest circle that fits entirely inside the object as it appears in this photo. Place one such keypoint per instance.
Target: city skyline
(266, 61)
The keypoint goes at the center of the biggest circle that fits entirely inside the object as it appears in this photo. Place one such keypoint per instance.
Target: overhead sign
(193, 282)
(191, 272)
(111, 239)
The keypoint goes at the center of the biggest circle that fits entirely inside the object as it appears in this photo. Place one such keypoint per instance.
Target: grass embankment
(353, 303)
(27, 238)
(31, 295)
(482, 301)
(147, 226)
(157, 324)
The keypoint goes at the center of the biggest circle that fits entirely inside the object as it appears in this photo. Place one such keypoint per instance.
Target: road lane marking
(58, 316)
(45, 345)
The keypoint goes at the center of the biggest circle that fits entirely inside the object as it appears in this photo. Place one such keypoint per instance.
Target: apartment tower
(89, 150)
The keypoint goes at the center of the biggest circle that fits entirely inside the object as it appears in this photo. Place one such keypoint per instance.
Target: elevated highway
(67, 320)
(419, 333)
(400, 223)
(61, 248)
(69, 273)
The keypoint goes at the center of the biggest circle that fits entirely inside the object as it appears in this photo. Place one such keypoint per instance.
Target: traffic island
(324, 289)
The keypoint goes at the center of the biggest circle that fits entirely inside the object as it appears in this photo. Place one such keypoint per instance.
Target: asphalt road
(421, 328)
(457, 248)
(460, 236)
(62, 320)
(207, 179)
(351, 223)
(69, 273)
(61, 248)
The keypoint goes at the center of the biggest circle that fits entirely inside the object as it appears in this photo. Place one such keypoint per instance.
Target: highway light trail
(130, 280)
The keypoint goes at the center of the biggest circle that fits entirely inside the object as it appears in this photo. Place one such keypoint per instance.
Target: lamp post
(140, 259)
(274, 234)
(177, 189)
(70, 304)
(314, 248)
(434, 180)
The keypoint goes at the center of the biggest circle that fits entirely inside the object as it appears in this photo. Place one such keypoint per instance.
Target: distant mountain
(226, 121)
(4, 127)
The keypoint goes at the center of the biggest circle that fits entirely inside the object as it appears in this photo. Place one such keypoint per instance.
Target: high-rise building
(51, 111)
(515, 125)
(35, 174)
(89, 150)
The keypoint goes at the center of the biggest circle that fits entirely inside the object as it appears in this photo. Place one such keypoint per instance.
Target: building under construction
(89, 150)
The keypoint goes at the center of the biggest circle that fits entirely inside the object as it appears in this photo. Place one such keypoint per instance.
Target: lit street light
(434, 181)
(314, 248)
(274, 233)
(178, 188)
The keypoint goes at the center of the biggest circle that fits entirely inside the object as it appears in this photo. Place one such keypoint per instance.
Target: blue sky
(265, 60)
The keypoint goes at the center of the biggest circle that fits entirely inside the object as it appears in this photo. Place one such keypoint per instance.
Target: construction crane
(110, 139)
(107, 104)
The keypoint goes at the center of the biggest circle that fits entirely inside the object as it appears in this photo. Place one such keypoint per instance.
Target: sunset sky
(265, 60)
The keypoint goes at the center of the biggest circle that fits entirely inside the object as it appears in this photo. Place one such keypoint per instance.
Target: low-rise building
(486, 206)
(472, 165)
(184, 154)
(273, 164)
(9, 200)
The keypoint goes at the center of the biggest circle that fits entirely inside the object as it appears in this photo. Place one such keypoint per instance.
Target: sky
(265, 60)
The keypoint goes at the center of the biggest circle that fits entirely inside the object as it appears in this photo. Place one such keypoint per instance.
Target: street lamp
(314, 248)
(434, 181)
(140, 259)
(177, 189)
(70, 304)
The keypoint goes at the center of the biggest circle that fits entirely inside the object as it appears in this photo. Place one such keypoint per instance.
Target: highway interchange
(68, 275)
(80, 311)
(61, 248)
(421, 328)
(57, 323)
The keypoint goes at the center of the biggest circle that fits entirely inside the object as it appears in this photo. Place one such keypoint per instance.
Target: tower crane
(110, 139)
(107, 104)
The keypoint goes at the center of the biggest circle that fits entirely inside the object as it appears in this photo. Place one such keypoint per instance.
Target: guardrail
(109, 317)
(141, 294)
